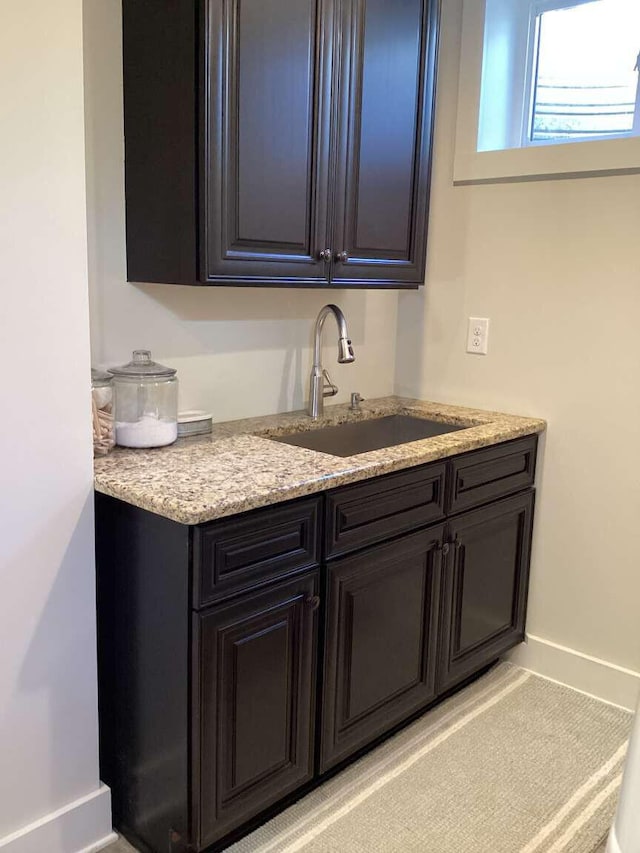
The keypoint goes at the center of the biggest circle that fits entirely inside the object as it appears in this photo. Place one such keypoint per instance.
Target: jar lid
(99, 378)
(142, 365)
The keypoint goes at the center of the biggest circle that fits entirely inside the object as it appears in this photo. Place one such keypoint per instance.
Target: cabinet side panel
(160, 121)
(143, 655)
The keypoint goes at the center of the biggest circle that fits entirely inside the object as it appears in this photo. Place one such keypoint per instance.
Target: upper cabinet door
(266, 104)
(384, 149)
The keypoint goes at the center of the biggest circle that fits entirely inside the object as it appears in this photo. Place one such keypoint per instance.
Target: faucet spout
(318, 390)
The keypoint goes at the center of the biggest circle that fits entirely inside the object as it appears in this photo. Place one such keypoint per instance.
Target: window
(583, 82)
(540, 74)
(559, 70)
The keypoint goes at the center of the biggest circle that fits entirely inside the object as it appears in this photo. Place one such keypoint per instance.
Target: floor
(121, 846)
(466, 778)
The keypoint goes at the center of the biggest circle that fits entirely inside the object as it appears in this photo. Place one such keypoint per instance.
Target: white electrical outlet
(478, 337)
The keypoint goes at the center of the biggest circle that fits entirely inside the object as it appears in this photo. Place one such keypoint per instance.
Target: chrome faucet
(321, 385)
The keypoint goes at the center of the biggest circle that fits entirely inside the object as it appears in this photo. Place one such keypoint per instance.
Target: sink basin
(352, 438)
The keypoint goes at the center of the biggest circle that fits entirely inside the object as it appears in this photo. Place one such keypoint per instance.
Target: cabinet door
(266, 103)
(385, 129)
(380, 644)
(485, 587)
(256, 675)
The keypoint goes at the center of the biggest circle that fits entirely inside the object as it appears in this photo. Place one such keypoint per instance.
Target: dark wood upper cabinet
(278, 142)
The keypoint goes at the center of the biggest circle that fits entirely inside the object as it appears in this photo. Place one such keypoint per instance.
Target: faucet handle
(356, 399)
(328, 388)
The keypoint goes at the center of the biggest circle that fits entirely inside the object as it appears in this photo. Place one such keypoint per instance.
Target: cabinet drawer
(357, 516)
(485, 475)
(245, 552)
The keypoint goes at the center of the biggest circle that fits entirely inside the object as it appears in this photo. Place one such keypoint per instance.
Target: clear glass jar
(101, 412)
(145, 402)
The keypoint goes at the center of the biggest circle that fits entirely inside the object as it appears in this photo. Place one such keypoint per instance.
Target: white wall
(48, 712)
(556, 266)
(238, 351)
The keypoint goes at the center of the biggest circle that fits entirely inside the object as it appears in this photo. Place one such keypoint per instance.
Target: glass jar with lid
(101, 412)
(145, 402)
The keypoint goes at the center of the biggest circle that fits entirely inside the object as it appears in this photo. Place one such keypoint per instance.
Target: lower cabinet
(256, 667)
(243, 658)
(381, 640)
(485, 587)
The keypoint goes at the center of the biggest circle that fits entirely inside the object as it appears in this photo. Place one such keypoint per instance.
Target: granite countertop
(238, 468)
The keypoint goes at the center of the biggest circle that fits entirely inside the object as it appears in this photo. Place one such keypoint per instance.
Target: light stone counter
(238, 468)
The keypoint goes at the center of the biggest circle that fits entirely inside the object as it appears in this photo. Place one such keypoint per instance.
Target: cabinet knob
(343, 257)
(313, 602)
(325, 255)
(445, 549)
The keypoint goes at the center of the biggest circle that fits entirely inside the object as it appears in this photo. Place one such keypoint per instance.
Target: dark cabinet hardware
(277, 128)
(445, 549)
(313, 602)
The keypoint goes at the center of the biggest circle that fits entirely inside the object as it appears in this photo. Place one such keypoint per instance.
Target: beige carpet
(512, 764)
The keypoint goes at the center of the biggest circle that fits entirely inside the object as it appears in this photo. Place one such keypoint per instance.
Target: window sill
(566, 160)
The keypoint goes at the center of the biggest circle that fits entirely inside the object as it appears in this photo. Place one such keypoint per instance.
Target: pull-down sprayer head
(345, 351)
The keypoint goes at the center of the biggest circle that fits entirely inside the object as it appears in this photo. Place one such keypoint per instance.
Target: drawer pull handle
(313, 602)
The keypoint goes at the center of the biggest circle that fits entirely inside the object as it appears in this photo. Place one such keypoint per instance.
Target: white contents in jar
(149, 431)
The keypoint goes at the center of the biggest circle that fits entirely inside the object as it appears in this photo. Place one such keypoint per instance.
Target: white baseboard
(612, 843)
(83, 826)
(599, 678)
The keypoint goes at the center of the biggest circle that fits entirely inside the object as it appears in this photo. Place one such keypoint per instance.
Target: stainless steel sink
(352, 438)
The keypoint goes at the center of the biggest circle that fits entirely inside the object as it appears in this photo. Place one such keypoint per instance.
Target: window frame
(619, 154)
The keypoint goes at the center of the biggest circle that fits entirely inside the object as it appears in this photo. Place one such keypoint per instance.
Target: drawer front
(246, 552)
(486, 475)
(357, 516)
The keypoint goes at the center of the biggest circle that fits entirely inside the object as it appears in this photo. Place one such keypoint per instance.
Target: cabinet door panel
(256, 674)
(267, 148)
(485, 587)
(380, 641)
(386, 106)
